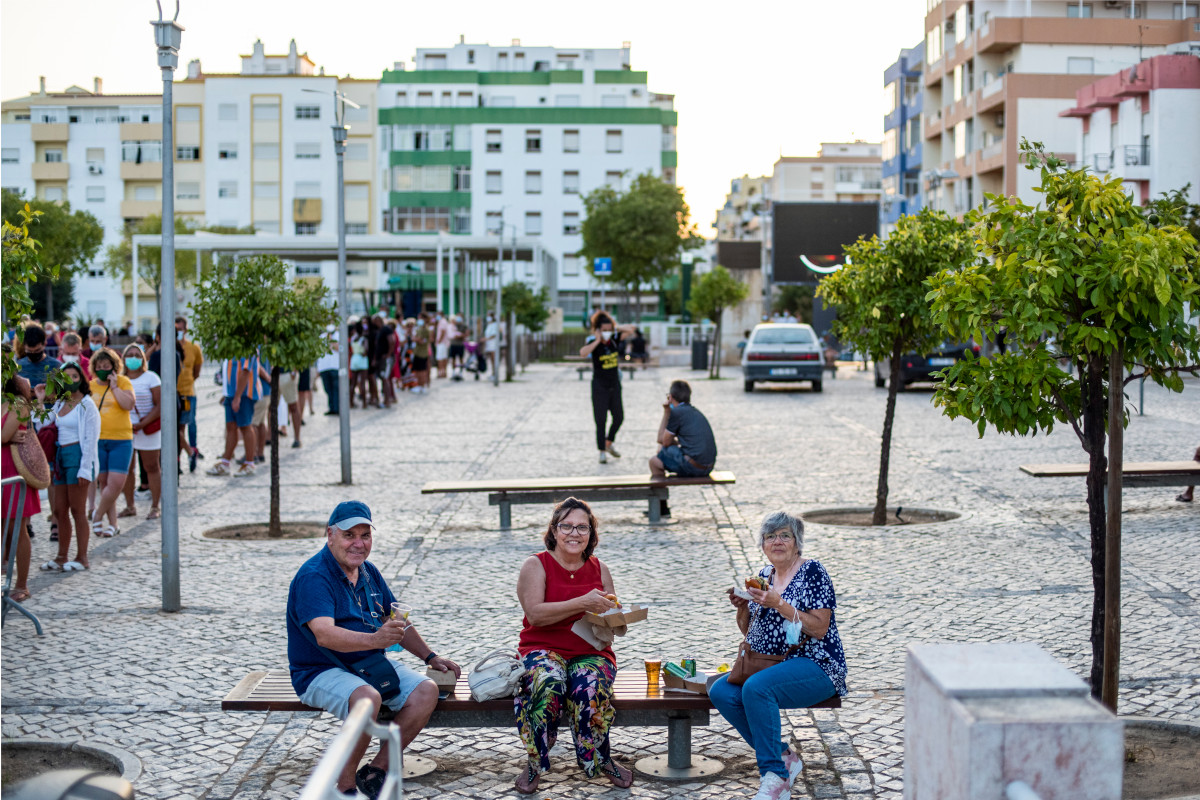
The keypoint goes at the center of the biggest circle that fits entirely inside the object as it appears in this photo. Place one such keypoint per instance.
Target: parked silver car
(782, 352)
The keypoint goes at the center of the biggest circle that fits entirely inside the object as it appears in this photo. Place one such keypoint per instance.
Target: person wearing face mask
(71, 352)
(113, 395)
(97, 340)
(422, 350)
(147, 427)
(36, 364)
(458, 338)
(602, 347)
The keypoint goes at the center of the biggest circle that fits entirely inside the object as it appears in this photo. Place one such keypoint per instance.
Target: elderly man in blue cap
(339, 625)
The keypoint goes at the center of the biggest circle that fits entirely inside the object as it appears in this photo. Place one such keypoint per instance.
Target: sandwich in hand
(758, 582)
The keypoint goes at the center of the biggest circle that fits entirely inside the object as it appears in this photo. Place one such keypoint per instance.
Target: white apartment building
(1140, 125)
(998, 71)
(102, 153)
(745, 206)
(484, 139)
(841, 172)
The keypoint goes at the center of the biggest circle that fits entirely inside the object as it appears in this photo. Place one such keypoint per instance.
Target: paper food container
(698, 684)
(616, 617)
(444, 680)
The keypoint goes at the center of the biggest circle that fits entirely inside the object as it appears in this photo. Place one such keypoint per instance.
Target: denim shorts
(331, 689)
(188, 415)
(673, 461)
(66, 465)
(115, 455)
(244, 415)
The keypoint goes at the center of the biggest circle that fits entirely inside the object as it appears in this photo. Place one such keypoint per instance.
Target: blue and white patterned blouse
(810, 589)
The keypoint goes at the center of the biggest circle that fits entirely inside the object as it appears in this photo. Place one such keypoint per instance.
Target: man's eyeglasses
(565, 528)
(777, 537)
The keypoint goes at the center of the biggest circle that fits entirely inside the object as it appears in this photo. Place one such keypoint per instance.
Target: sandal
(153, 514)
(53, 565)
(19, 595)
(370, 779)
(1182, 498)
(616, 774)
(108, 531)
(128, 511)
(74, 566)
(527, 781)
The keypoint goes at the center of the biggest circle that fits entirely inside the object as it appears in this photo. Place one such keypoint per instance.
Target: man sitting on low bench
(339, 624)
(689, 448)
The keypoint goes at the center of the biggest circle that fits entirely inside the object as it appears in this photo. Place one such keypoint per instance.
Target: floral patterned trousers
(585, 684)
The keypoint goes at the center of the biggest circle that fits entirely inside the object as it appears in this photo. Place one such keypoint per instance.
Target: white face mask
(70, 359)
(179, 335)
(606, 335)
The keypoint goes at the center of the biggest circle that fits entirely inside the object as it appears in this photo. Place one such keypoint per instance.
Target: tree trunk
(49, 299)
(716, 371)
(276, 529)
(879, 517)
(1094, 407)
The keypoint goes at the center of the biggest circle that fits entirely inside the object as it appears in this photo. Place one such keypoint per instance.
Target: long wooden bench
(594, 489)
(636, 704)
(1134, 475)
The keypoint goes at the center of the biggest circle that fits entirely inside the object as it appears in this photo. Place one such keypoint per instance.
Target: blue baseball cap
(350, 513)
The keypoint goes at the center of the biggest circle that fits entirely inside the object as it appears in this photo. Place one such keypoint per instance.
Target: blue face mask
(133, 363)
(791, 632)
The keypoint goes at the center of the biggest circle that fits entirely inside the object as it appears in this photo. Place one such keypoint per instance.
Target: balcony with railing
(1137, 155)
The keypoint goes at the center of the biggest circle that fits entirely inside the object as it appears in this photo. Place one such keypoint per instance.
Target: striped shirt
(232, 366)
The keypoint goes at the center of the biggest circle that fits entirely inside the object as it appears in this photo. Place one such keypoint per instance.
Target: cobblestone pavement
(113, 669)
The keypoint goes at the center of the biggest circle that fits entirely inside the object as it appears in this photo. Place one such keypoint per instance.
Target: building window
(306, 228)
(357, 191)
(266, 152)
(1079, 10)
(566, 100)
(612, 142)
(447, 99)
(466, 99)
(145, 194)
(12, 155)
(227, 112)
(308, 112)
(187, 190)
(52, 156)
(357, 151)
(462, 178)
(95, 194)
(227, 189)
(1191, 9)
(308, 269)
(494, 221)
(52, 194)
(460, 221)
(612, 101)
(493, 141)
(266, 112)
(416, 220)
(533, 182)
(570, 141)
(308, 149)
(266, 191)
(493, 183)
(267, 226)
(533, 141)
(533, 223)
(308, 189)
(227, 151)
(571, 264)
(613, 179)
(355, 228)
(360, 114)
(570, 183)
(187, 114)
(424, 99)
(1133, 10)
(570, 223)
(187, 152)
(1078, 65)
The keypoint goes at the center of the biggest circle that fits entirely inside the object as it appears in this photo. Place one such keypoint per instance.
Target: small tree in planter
(716, 291)
(1085, 277)
(254, 309)
(881, 306)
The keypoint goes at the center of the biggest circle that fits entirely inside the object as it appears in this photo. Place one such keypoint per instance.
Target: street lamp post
(167, 36)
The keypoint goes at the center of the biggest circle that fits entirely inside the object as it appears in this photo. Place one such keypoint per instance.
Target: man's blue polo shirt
(321, 589)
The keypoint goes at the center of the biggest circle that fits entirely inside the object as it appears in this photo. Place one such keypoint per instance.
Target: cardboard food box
(616, 617)
(444, 680)
(698, 684)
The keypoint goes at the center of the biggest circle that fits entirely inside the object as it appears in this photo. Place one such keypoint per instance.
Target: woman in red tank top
(556, 587)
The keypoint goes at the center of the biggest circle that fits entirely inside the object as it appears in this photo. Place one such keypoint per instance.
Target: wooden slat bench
(594, 489)
(584, 369)
(636, 704)
(1134, 475)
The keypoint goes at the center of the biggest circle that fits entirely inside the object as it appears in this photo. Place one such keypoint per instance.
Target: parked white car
(782, 352)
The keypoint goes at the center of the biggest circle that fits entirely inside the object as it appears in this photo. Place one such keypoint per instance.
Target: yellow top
(114, 420)
(192, 358)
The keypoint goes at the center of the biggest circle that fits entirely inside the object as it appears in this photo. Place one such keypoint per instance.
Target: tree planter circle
(260, 532)
(1162, 758)
(860, 516)
(28, 758)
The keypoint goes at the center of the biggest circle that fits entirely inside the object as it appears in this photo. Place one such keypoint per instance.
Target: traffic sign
(602, 266)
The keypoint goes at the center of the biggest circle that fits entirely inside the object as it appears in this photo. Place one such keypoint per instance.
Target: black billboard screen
(808, 237)
(739, 255)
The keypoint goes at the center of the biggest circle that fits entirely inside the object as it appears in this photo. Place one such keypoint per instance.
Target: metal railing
(1137, 155)
(12, 540)
(322, 784)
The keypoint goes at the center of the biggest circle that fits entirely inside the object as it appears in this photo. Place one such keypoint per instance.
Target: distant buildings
(904, 102)
(841, 172)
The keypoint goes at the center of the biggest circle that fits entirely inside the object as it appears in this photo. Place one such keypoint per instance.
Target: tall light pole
(167, 36)
(343, 300)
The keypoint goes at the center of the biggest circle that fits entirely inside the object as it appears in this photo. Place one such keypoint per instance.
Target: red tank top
(560, 586)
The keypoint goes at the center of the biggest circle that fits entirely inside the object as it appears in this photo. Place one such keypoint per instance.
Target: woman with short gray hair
(790, 613)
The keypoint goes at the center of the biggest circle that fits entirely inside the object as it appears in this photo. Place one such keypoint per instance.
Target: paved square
(113, 669)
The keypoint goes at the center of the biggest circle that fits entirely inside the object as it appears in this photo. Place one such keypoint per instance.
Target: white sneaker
(794, 765)
(773, 787)
(603, 457)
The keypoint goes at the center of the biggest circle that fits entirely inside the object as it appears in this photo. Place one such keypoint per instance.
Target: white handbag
(497, 675)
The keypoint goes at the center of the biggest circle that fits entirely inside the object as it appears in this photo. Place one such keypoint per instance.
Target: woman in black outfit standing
(602, 347)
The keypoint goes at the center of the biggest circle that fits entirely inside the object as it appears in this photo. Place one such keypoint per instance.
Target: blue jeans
(673, 461)
(329, 380)
(753, 707)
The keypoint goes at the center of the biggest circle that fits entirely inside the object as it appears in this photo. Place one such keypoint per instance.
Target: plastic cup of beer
(401, 612)
(653, 671)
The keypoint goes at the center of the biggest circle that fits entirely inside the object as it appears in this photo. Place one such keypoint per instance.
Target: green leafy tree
(69, 239)
(795, 299)
(529, 306)
(20, 267)
(1080, 276)
(714, 292)
(118, 258)
(644, 230)
(255, 309)
(881, 306)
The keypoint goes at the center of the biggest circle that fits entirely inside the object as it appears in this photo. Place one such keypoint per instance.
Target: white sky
(751, 80)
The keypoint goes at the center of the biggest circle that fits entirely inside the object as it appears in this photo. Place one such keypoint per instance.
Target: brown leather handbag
(750, 661)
